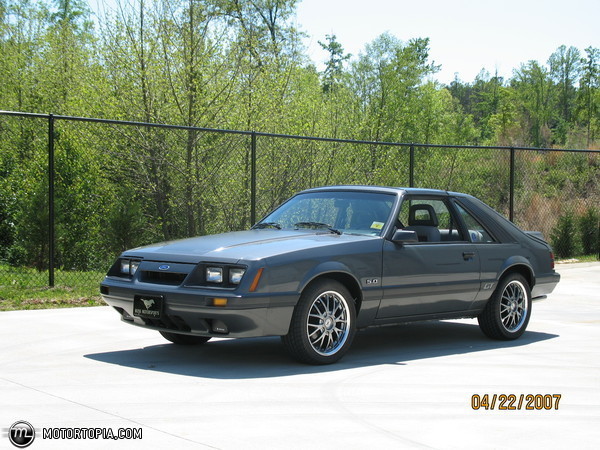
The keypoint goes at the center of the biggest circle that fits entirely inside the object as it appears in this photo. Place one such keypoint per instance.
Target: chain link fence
(75, 192)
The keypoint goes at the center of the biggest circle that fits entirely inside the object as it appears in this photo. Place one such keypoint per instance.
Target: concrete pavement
(409, 386)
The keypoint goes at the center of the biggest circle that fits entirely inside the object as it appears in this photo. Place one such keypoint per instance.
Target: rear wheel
(323, 324)
(507, 313)
(184, 339)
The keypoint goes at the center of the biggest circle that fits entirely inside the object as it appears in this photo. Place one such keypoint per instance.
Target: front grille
(170, 278)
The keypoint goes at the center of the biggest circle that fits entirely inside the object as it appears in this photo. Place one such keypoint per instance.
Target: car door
(438, 274)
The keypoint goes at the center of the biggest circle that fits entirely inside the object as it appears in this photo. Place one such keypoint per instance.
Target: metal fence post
(51, 200)
(253, 178)
(511, 189)
(411, 167)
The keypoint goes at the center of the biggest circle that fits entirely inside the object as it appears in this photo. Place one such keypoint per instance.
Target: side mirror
(405, 237)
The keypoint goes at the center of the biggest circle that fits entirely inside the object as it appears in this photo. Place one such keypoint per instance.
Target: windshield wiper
(315, 225)
(262, 225)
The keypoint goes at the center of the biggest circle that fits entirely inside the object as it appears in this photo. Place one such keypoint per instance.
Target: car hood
(241, 245)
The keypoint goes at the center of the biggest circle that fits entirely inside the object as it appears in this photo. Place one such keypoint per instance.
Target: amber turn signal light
(219, 302)
(254, 284)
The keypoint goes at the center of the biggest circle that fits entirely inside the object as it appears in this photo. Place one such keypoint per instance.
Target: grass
(27, 288)
(578, 259)
(46, 298)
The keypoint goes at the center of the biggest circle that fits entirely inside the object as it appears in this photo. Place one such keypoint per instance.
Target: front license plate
(147, 306)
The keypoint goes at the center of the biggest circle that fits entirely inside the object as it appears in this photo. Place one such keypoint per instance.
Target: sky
(465, 36)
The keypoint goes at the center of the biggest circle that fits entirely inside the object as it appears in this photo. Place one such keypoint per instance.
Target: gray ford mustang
(332, 260)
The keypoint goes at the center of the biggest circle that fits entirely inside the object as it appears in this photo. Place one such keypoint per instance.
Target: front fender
(367, 292)
(324, 268)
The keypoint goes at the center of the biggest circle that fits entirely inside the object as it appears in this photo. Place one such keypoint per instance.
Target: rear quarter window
(475, 230)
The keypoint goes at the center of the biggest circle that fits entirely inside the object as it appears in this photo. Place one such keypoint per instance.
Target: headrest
(422, 215)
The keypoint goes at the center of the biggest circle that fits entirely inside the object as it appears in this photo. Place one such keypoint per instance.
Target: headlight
(217, 275)
(214, 274)
(129, 266)
(236, 274)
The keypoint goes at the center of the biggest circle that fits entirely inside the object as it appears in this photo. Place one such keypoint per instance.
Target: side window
(476, 231)
(430, 219)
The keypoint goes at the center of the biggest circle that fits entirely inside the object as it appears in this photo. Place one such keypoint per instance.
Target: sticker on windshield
(377, 225)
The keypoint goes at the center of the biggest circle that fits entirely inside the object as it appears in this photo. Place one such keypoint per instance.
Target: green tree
(589, 231)
(588, 96)
(462, 92)
(533, 87)
(563, 236)
(386, 79)
(264, 27)
(21, 38)
(138, 90)
(565, 67)
(486, 100)
(504, 125)
(334, 68)
(198, 85)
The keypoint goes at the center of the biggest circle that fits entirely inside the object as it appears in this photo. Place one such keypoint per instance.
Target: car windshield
(344, 211)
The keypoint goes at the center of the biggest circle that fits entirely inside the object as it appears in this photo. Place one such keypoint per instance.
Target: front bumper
(189, 310)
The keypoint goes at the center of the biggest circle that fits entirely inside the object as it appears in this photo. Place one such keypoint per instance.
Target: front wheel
(507, 312)
(323, 324)
(184, 339)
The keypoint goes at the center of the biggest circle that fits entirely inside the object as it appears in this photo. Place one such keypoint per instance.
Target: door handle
(468, 255)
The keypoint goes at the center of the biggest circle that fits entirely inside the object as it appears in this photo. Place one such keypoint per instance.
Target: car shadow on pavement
(267, 357)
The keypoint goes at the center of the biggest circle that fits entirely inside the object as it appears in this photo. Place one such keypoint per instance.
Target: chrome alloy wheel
(513, 306)
(328, 323)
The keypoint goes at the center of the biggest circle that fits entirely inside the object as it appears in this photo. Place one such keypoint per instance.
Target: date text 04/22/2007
(512, 402)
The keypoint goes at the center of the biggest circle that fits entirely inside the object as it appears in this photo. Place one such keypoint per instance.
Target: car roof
(382, 189)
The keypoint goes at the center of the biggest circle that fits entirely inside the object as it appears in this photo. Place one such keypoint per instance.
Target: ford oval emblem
(164, 267)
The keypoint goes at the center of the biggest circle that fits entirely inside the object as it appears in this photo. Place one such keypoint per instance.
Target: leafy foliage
(589, 230)
(234, 64)
(564, 236)
(577, 233)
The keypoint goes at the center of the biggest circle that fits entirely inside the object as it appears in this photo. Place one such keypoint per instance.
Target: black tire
(323, 324)
(184, 339)
(508, 310)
